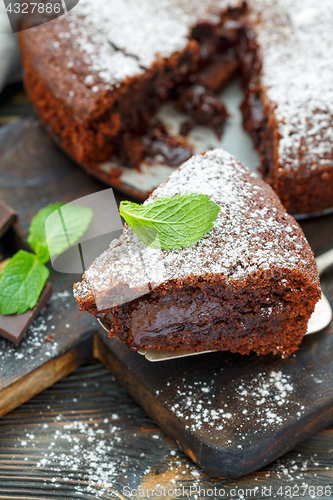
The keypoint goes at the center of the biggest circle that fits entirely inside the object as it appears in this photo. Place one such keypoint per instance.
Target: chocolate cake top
(296, 39)
(252, 233)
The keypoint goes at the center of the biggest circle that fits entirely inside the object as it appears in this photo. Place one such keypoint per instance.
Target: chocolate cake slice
(250, 283)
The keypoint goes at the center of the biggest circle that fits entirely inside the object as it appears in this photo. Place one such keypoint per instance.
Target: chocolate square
(14, 326)
(7, 217)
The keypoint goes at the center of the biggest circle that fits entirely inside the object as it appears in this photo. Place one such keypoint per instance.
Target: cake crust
(250, 284)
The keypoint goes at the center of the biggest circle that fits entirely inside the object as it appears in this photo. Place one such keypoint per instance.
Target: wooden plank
(14, 104)
(319, 233)
(44, 376)
(47, 445)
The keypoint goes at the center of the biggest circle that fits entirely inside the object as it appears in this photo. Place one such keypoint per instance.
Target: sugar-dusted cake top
(251, 233)
(98, 45)
(296, 40)
(140, 29)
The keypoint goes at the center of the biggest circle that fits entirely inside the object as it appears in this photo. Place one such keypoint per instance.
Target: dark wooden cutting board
(231, 414)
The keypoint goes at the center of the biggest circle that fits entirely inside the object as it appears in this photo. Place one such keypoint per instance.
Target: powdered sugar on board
(262, 403)
(82, 441)
(35, 343)
(296, 39)
(86, 438)
(252, 233)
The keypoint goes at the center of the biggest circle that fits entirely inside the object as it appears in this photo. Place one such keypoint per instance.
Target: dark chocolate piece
(7, 217)
(14, 326)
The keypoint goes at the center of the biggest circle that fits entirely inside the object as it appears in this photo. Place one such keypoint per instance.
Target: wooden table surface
(85, 438)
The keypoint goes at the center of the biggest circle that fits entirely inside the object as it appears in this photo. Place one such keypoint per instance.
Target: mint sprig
(171, 223)
(23, 278)
(66, 229)
(37, 234)
(21, 283)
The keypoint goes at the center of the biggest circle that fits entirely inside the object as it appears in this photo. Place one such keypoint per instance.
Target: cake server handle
(322, 315)
(324, 261)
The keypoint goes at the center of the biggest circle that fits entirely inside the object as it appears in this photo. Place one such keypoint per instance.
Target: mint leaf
(21, 283)
(37, 235)
(56, 227)
(170, 223)
(66, 226)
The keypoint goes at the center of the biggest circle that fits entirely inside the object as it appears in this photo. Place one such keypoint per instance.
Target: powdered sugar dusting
(104, 62)
(252, 233)
(119, 38)
(82, 443)
(295, 37)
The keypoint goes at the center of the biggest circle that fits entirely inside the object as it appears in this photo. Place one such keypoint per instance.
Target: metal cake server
(320, 318)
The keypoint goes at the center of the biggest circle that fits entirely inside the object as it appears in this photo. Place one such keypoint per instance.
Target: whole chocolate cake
(249, 284)
(98, 75)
